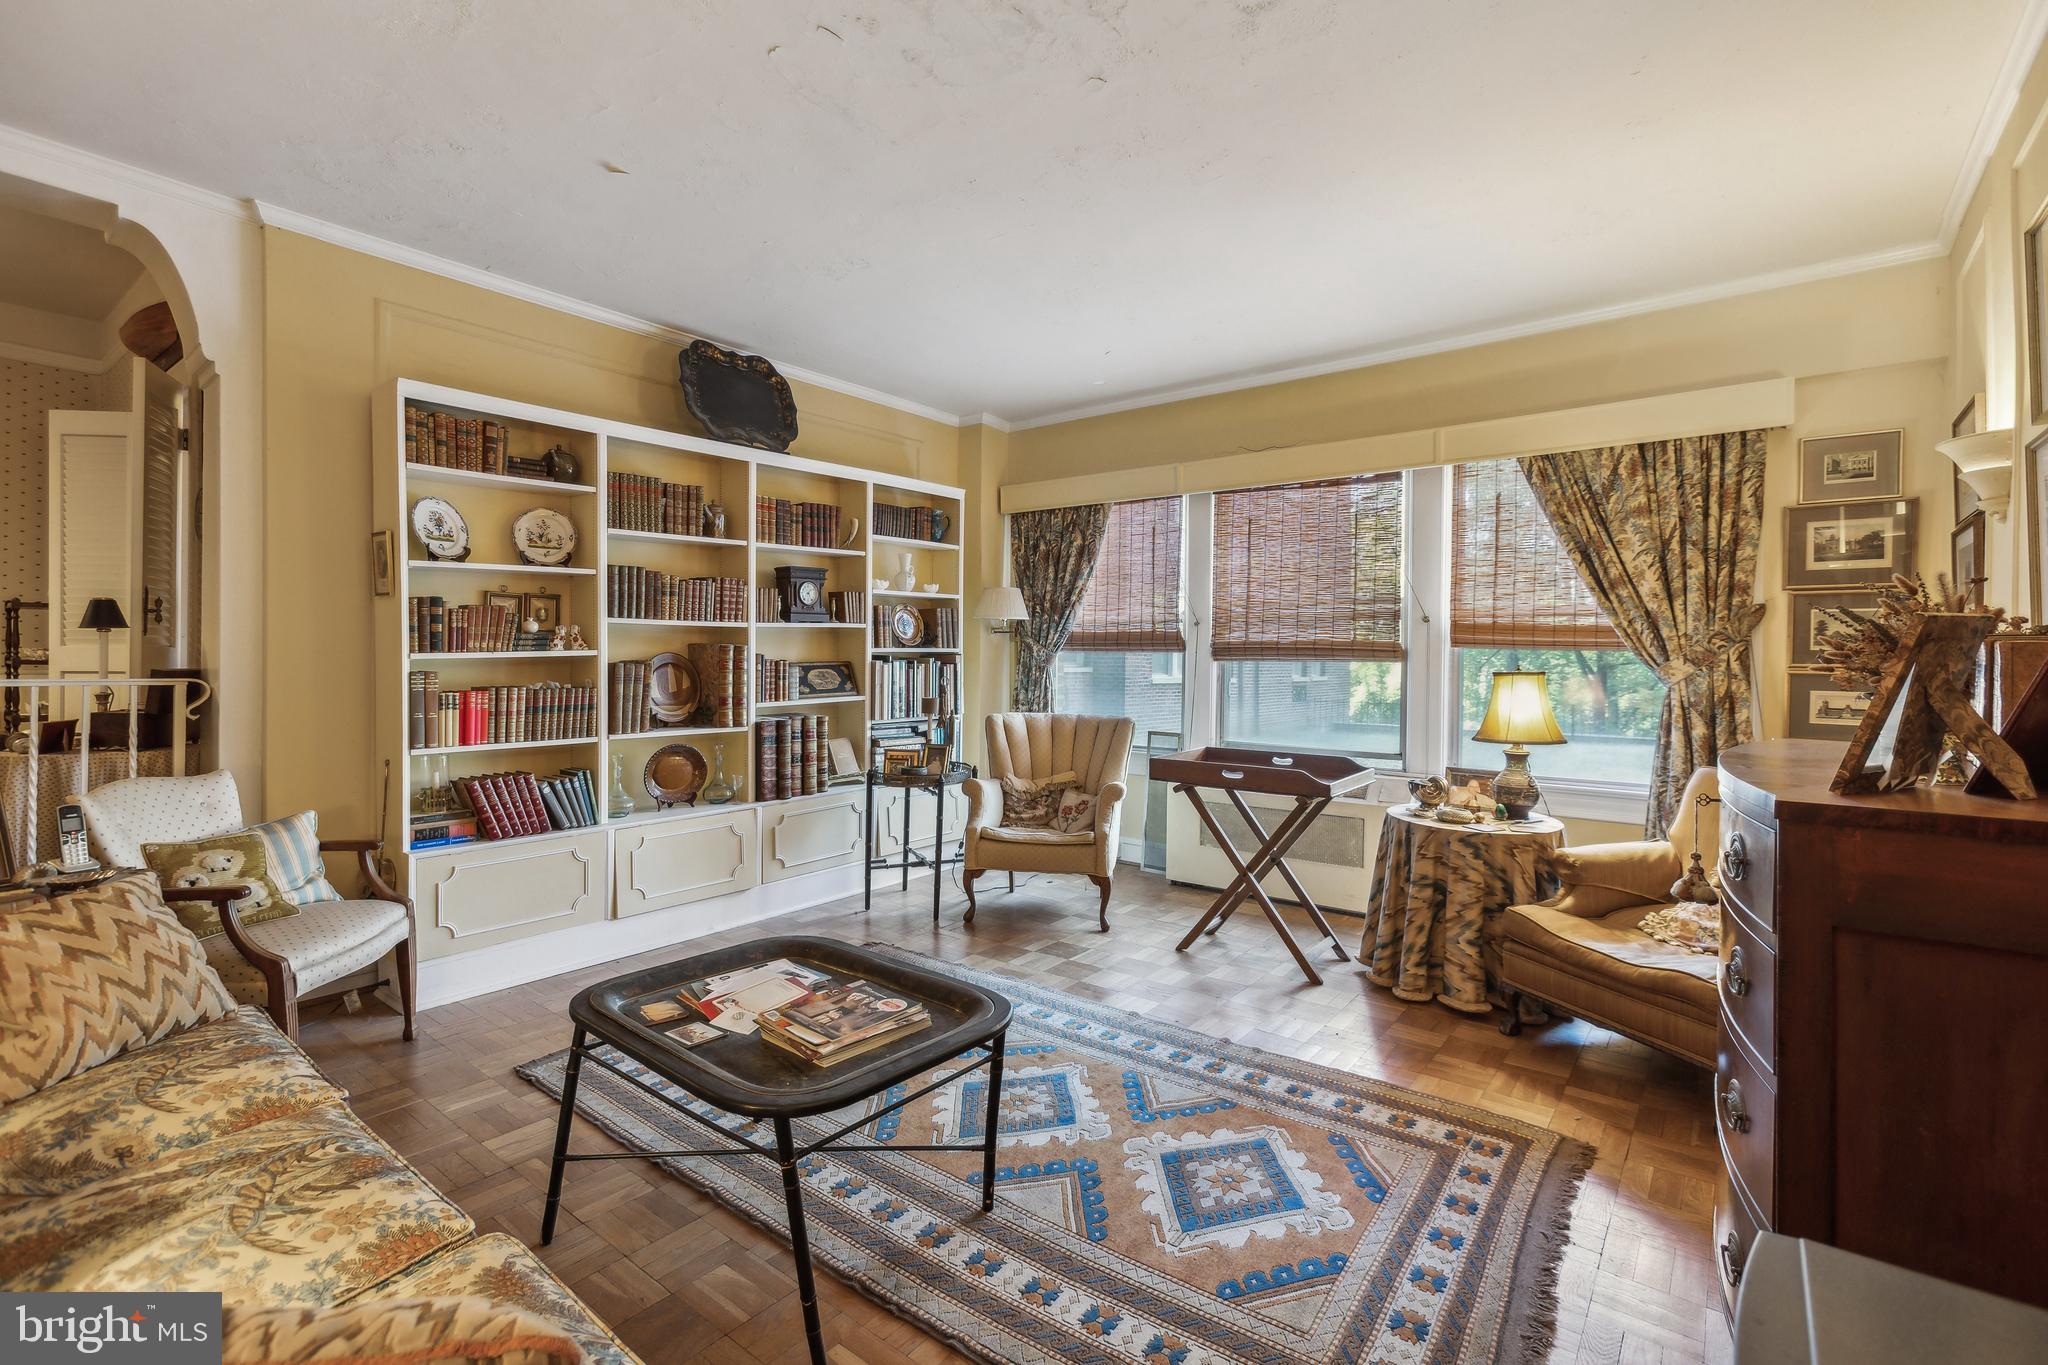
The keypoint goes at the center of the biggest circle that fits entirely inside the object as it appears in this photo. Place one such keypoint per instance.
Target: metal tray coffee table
(744, 1075)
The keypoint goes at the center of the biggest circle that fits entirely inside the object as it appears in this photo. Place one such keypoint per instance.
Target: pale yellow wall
(984, 462)
(338, 326)
(1866, 352)
(1993, 348)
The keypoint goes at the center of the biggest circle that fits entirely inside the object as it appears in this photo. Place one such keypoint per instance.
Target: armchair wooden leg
(967, 876)
(286, 1012)
(1013, 881)
(1102, 884)
(408, 976)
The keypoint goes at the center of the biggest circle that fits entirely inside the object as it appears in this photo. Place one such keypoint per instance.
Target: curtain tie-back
(1702, 652)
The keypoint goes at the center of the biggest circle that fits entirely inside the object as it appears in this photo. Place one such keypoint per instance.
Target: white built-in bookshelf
(490, 904)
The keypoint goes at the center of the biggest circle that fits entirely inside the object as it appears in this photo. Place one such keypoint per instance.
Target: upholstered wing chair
(276, 962)
(1582, 951)
(1032, 748)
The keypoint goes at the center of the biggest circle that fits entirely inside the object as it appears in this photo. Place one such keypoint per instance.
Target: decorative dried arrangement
(1917, 653)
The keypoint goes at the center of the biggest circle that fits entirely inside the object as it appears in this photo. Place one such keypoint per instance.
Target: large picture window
(1517, 602)
(1306, 597)
(1124, 657)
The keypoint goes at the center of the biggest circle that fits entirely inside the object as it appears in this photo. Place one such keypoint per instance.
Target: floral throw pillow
(1076, 814)
(1029, 804)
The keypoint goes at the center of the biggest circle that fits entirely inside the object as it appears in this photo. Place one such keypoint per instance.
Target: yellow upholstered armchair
(1032, 757)
(1582, 951)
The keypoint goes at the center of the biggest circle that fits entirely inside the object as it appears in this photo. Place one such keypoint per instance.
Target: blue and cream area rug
(1168, 1198)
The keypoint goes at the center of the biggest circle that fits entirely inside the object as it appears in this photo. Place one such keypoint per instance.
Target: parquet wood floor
(684, 1280)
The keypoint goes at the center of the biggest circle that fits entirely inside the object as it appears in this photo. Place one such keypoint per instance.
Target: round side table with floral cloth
(1437, 891)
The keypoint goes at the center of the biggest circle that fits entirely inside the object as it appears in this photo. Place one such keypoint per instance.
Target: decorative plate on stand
(673, 688)
(674, 775)
(545, 537)
(906, 627)
(440, 528)
(738, 397)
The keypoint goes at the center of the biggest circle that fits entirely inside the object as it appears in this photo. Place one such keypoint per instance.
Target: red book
(486, 817)
(517, 819)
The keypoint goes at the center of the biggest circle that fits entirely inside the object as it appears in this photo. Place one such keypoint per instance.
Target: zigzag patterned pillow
(428, 1331)
(87, 976)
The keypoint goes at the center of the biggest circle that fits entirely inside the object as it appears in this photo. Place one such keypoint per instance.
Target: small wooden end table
(936, 784)
(744, 1075)
(1313, 780)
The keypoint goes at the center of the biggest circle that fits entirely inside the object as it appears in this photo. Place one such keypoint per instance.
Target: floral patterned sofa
(219, 1158)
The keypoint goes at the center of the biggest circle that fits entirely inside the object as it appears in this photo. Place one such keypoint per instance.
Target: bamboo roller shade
(1309, 570)
(1132, 603)
(1511, 582)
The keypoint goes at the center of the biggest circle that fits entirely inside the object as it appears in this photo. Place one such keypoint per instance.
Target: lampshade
(1519, 711)
(103, 613)
(1000, 604)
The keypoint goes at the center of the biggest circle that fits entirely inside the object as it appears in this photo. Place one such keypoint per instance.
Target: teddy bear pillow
(225, 860)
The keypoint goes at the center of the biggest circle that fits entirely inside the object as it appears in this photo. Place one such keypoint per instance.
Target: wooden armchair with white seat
(1027, 750)
(278, 961)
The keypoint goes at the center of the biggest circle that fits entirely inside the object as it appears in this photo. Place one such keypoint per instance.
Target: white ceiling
(58, 267)
(1031, 207)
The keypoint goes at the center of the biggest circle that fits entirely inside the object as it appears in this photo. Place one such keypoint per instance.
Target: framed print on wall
(1838, 468)
(1818, 707)
(1849, 544)
(1809, 621)
(1966, 557)
(2037, 296)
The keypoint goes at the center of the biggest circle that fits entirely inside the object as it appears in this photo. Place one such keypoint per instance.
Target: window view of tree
(1607, 703)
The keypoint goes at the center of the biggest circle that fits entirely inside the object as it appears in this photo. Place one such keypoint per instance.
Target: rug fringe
(1532, 1331)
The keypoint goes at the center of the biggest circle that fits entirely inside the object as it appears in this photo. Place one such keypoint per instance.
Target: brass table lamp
(1518, 715)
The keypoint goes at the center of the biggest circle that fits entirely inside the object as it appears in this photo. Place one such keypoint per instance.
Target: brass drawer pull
(1733, 1113)
(1735, 858)
(1734, 974)
(1731, 1258)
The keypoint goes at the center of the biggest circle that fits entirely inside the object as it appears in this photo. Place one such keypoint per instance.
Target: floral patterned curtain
(1666, 534)
(1052, 557)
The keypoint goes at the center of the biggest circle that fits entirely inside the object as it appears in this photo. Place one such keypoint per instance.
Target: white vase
(906, 577)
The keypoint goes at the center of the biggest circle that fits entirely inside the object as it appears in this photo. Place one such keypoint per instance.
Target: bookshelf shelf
(471, 566)
(811, 625)
(836, 552)
(664, 621)
(804, 703)
(669, 538)
(921, 649)
(508, 744)
(680, 732)
(917, 596)
(500, 843)
(454, 656)
(427, 473)
(913, 543)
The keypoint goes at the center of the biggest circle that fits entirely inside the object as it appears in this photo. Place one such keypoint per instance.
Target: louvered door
(93, 509)
(160, 616)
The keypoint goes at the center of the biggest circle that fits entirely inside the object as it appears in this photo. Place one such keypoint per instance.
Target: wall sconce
(1985, 463)
(999, 607)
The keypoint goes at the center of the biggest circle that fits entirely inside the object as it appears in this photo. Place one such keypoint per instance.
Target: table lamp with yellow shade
(1518, 715)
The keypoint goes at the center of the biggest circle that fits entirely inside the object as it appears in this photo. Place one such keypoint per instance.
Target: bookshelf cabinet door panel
(821, 832)
(483, 895)
(657, 866)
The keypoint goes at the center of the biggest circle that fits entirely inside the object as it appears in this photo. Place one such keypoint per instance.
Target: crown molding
(2004, 97)
(987, 419)
(290, 220)
(26, 144)
(1779, 279)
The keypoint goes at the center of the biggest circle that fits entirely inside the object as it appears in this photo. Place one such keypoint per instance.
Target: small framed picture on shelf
(1818, 707)
(1838, 468)
(833, 678)
(1966, 557)
(1848, 544)
(936, 757)
(1811, 620)
(381, 568)
(896, 762)
(544, 609)
(510, 601)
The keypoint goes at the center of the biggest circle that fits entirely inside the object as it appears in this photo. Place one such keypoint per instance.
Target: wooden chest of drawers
(1883, 1062)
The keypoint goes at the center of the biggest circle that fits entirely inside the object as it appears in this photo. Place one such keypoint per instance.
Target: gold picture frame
(1855, 467)
(382, 565)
